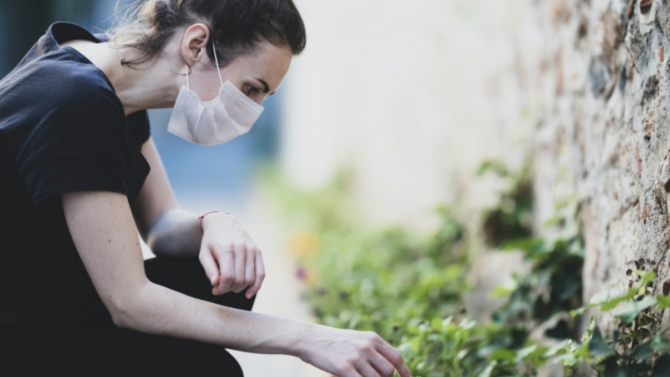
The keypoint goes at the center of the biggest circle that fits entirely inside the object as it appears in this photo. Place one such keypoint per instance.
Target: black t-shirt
(62, 129)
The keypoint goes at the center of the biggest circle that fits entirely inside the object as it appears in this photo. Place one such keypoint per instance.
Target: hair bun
(150, 12)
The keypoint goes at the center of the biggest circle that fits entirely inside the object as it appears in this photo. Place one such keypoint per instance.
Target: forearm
(177, 233)
(158, 310)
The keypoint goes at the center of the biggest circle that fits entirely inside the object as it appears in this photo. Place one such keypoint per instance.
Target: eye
(251, 90)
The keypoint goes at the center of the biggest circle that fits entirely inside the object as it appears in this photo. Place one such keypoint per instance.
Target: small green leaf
(526, 244)
(504, 290)
(494, 166)
(580, 311)
(551, 352)
(663, 301)
(503, 355)
(524, 352)
(659, 343)
(612, 303)
(489, 369)
(597, 345)
(599, 297)
(642, 352)
(631, 309)
(645, 277)
(436, 323)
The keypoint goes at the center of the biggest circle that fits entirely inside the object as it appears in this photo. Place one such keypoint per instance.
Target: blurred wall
(412, 95)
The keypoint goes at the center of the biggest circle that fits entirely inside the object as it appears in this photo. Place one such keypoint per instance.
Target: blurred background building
(412, 95)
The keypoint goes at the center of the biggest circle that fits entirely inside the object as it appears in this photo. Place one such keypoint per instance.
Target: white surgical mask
(222, 119)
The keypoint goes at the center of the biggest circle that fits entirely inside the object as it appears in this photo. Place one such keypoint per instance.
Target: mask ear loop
(216, 59)
(187, 85)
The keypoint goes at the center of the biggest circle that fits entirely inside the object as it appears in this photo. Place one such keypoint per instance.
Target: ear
(194, 43)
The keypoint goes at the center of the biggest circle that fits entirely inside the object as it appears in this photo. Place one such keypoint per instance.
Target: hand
(348, 353)
(231, 259)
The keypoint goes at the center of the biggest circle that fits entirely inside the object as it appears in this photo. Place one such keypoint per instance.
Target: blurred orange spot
(304, 244)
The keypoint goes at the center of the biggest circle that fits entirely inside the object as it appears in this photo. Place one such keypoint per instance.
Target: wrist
(206, 220)
(297, 343)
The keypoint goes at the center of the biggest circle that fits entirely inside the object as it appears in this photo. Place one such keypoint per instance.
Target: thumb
(210, 266)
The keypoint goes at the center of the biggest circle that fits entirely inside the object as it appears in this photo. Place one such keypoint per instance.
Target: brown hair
(236, 26)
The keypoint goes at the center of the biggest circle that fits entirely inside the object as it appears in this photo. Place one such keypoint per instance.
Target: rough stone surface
(603, 135)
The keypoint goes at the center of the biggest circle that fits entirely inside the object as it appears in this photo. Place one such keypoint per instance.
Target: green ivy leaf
(631, 309)
(597, 345)
(642, 352)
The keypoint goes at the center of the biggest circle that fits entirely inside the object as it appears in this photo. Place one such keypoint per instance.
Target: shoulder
(63, 82)
(80, 86)
(57, 105)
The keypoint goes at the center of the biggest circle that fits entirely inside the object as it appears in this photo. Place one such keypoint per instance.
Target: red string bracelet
(203, 216)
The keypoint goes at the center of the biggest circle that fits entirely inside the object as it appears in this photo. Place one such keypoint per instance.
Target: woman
(80, 176)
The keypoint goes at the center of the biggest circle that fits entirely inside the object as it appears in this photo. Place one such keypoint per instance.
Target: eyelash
(252, 89)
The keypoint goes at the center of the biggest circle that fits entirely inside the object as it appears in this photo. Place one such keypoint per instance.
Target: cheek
(206, 86)
(208, 91)
(233, 76)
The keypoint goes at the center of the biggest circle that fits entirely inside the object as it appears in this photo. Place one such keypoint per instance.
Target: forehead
(268, 60)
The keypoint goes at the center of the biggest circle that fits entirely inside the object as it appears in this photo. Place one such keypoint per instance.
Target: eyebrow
(266, 87)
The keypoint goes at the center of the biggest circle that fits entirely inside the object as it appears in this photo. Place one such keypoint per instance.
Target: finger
(393, 356)
(226, 270)
(260, 276)
(349, 372)
(240, 258)
(209, 265)
(381, 365)
(365, 369)
(250, 267)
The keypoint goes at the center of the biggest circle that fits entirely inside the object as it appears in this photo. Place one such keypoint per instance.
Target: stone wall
(603, 87)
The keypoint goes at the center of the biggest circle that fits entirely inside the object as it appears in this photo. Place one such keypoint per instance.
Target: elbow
(122, 316)
(125, 309)
(121, 319)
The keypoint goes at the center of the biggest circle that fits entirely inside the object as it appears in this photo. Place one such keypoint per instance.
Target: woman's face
(257, 74)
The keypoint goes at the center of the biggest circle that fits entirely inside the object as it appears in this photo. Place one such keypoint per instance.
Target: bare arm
(230, 258)
(103, 230)
(167, 229)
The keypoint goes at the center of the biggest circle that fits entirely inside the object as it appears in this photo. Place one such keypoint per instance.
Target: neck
(149, 86)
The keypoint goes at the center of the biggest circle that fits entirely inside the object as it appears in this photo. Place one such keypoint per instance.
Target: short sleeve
(139, 127)
(74, 142)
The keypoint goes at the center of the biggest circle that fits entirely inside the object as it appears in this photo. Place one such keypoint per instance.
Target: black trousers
(106, 350)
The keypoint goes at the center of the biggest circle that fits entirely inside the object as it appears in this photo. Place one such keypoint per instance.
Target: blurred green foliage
(409, 288)
(511, 218)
